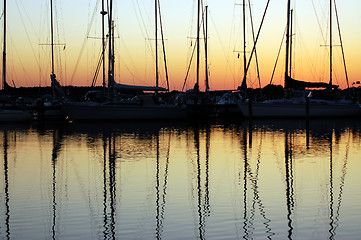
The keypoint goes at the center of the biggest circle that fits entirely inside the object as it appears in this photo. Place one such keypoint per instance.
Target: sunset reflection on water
(221, 180)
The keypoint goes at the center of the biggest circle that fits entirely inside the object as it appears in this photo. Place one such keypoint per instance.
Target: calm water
(265, 180)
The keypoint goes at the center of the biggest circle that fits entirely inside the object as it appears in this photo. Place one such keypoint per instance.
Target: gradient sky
(29, 55)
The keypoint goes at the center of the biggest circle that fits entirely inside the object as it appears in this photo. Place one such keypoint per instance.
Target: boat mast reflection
(57, 143)
(289, 168)
(109, 188)
(334, 214)
(161, 204)
(203, 193)
(251, 178)
(6, 186)
(201, 223)
(290, 143)
(245, 171)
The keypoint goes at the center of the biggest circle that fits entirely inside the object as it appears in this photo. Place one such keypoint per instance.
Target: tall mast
(4, 50)
(206, 49)
(164, 55)
(52, 36)
(244, 41)
(111, 50)
(103, 13)
(198, 33)
(156, 42)
(52, 76)
(287, 41)
(291, 41)
(330, 42)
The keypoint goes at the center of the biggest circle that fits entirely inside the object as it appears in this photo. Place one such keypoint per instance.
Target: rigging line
(100, 64)
(319, 23)
(206, 46)
(190, 33)
(84, 42)
(127, 50)
(131, 61)
(190, 61)
(312, 60)
(257, 63)
(97, 70)
(254, 45)
(144, 30)
(22, 65)
(59, 15)
(278, 55)
(342, 49)
(28, 18)
(189, 67)
(203, 26)
(128, 69)
(164, 53)
(229, 43)
(28, 37)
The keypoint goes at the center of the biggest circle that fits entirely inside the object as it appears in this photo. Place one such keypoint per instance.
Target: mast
(254, 40)
(156, 43)
(331, 43)
(163, 45)
(287, 41)
(291, 41)
(243, 87)
(198, 33)
(111, 50)
(206, 49)
(103, 13)
(244, 41)
(52, 75)
(4, 50)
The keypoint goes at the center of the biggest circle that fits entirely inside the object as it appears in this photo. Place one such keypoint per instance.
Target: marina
(150, 137)
(113, 100)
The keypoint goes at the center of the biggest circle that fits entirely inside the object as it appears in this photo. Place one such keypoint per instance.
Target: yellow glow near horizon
(29, 62)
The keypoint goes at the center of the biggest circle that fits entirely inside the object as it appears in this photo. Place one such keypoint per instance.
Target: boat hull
(299, 110)
(91, 112)
(14, 116)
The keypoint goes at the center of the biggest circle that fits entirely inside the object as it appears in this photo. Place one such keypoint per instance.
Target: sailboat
(199, 104)
(49, 107)
(306, 105)
(142, 107)
(7, 114)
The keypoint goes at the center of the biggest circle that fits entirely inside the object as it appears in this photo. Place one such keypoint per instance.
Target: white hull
(14, 116)
(289, 109)
(89, 112)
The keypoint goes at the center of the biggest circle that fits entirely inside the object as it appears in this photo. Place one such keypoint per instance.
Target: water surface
(221, 180)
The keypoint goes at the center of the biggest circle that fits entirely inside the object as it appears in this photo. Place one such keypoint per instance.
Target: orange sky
(29, 61)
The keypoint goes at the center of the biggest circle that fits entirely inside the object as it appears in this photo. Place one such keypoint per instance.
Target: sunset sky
(28, 52)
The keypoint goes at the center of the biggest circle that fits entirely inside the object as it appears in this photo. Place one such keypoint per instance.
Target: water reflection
(109, 174)
(251, 188)
(229, 180)
(6, 186)
(55, 152)
(161, 189)
(202, 188)
(289, 162)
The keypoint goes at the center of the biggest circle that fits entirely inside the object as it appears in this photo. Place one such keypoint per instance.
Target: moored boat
(298, 108)
(306, 105)
(11, 116)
